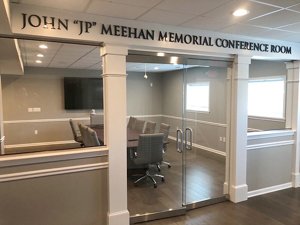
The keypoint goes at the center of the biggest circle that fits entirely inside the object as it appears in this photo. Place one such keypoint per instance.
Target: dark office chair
(131, 123)
(150, 127)
(76, 132)
(165, 129)
(89, 136)
(139, 126)
(92, 138)
(148, 152)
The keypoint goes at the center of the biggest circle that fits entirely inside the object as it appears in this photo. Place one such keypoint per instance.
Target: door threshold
(206, 202)
(139, 218)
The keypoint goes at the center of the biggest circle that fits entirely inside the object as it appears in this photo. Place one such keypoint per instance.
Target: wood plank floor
(278, 208)
(205, 174)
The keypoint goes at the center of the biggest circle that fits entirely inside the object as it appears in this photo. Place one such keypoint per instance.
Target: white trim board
(269, 189)
(196, 121)
(52, 156)
(36, 144)
(270, 134)
(204, 148)
(44, 120)
(270, 144)
(52, 172)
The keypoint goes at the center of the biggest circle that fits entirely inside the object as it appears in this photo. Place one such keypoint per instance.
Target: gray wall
(77, 198)
(144, 96)
(269, 159)
(269, 166)
(43, 88)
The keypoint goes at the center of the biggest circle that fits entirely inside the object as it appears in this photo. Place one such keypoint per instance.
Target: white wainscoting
(52, 172)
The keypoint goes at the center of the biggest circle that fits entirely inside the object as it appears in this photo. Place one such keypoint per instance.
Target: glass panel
(60, 82)
(205, 131)
(154, 96)
(267, 96)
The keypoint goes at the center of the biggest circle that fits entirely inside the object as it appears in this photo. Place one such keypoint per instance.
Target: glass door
(204, 132)
(154, 97)
(189, 97)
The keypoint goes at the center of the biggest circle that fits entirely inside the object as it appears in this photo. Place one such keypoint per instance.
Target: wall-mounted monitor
(83, 93)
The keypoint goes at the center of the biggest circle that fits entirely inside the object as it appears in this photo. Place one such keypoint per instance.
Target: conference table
(132, 143)
(132, 135)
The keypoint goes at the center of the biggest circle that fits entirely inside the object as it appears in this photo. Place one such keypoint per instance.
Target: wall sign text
(84, 27)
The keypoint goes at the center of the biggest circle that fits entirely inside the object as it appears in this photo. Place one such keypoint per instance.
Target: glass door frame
(186, 145)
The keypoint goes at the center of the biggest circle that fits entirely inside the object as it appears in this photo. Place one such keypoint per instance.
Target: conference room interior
(160, 89)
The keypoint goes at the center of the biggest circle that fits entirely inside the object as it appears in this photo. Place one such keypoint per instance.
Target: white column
(293, 115)
(238, 129)
(228, 117)
(114, 78)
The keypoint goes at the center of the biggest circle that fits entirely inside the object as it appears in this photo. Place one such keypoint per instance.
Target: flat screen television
(83, 93)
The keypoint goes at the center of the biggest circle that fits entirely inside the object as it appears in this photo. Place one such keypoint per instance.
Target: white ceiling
(274, 19)
(271, 19)
(73, 56)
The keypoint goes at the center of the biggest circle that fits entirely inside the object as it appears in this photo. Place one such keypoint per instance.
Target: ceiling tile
(69, 54)
(295, 8)
(118, 10)
(144, 3)
(292, 28)
(71, 5)
(225, 11)
(277, 19)
(205, 23)
(164, 17)
(281, 3)
(195, 7)
(244, 29)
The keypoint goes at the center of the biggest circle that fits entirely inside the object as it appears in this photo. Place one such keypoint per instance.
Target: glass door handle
(179, 140)
(188, 142)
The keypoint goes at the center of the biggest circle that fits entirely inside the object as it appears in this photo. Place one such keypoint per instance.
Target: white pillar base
(238, 193)
(118, 218)
(296, 180)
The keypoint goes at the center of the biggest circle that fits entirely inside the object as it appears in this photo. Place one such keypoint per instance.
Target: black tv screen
(83, 93)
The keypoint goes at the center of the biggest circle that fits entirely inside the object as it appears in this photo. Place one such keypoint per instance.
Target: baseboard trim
(238, 193)
(269, 189)
(204, 148)
(52, 172)
(117, 218)
(296, 180)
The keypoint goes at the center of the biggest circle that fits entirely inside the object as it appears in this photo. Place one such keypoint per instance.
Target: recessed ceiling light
(38, 61)
(240, 12)
(42, 46)
(40, 55)
(161, 54)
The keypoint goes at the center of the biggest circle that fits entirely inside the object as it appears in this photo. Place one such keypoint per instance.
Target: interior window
(266, 97)
(197, 96)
